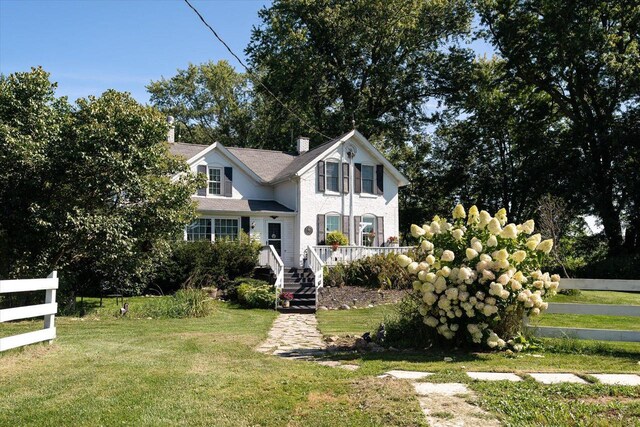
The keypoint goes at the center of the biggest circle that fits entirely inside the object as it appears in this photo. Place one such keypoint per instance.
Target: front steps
(301, 283)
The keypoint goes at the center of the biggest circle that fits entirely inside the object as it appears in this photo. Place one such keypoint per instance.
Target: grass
(356, 321)
(104, 370)
(599, 297)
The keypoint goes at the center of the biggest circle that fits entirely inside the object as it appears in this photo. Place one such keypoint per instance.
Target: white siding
(313, 202)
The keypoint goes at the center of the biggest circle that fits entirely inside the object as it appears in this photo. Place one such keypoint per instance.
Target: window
(368, 232)
(367, 179)
(226, 229)
(332, 223)
(200, 229)
(333, 176)
(215, 180)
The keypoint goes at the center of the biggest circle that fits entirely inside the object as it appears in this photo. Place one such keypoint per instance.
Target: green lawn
(599, 297)
(107, 371)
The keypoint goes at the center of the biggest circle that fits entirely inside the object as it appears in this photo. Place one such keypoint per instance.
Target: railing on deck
(48, 310)
(269, 258)
(594, 309)
(348, 254)
(317, 266)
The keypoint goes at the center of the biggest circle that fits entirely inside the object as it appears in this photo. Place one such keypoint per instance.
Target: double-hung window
(200, 229)
(368, 233)
(215, 181)
(332, 223)
(226, 229)
(367, 179)
(333, 176)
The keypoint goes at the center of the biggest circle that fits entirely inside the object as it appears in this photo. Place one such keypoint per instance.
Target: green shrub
(206, 264)
(336, 238)
(185, 303)
(378, 272)
(254, 293)
(405, 328)
(622, 266)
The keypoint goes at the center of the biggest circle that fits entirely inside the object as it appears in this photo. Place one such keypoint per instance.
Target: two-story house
(292, 200)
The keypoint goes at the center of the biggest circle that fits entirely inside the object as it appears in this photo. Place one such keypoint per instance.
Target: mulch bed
(357, 297)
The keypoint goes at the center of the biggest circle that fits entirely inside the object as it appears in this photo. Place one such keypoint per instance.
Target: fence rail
(48, 310)
(594, 309)
(269, 257)
(348, 254)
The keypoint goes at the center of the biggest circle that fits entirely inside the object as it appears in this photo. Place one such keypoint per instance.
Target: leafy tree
(332, 62)
(586, 57)
(85, 189)
(211, 102)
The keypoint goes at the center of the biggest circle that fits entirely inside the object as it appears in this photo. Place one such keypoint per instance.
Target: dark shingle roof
(239, 205)
(185, 150)
(267, 164)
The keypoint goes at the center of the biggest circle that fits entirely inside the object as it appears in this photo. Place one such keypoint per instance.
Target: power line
(255, 78)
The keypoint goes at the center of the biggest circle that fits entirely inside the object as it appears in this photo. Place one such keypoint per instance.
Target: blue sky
(93, 45)
(89, 46)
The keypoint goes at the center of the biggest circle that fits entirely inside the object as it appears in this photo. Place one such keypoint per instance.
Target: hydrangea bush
(477, 276)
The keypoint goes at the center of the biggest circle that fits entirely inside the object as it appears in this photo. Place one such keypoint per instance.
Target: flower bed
(477, 276)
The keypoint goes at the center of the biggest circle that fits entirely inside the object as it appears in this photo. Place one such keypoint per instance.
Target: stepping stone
(408, 375)
(618, 379)
(349, 367)
(494, 376)
(557, 378)
(330, 363)
(447, 389)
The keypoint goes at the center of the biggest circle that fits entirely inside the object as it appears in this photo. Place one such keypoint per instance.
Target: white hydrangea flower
(494, 226)
(417, 231)
(458, 212)
(457, 234)
(426, 246)
(404, 260)
(447, 256)
(492, 241)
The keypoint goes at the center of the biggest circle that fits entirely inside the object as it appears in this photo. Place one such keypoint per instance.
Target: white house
(292, 200)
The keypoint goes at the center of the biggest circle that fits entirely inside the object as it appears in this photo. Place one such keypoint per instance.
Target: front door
(274, 236)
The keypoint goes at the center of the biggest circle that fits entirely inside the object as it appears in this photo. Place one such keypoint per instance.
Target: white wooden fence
(596, 309)
(48, 310)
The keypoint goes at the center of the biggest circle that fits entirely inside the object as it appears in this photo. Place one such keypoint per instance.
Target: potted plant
(392, 241)
(285, 298)
(335, 239)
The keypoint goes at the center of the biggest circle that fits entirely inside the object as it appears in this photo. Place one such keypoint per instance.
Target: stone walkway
(294, 336)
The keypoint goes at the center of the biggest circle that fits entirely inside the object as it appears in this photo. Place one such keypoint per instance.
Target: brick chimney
(302, 144)
(171, 134)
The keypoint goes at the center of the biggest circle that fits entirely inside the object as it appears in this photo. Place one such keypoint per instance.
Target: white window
(333, 176)
(226, 229)
(367, 179)
(215, 181)
(332, 223)
(368, 231)
(200, 229)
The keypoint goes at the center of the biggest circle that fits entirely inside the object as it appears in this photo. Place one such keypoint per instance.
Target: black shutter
(356, 230)
(321, 229)
(357, 178)
(345, 178)
(345, 226)
(202, 170)
(379, 179)
(245, 224)
(380, 231)
(228, 182)
(320, 175)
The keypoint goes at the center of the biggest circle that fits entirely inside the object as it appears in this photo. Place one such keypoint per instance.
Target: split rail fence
(593, 309)
(48, 310)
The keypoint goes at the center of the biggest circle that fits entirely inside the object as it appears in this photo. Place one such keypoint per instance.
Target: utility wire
(251, 74)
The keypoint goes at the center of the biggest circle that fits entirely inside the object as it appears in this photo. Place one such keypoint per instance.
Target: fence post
(50, 297)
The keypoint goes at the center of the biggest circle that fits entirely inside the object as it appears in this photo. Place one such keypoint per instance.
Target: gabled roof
(239, 205)
(271, 167)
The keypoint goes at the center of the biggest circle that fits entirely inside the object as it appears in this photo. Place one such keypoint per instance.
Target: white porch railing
(48, 310)
(595, 309)
(348, 254)
(317, 266)
(269, 257)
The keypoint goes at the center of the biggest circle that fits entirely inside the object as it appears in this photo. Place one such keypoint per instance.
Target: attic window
(215, 180)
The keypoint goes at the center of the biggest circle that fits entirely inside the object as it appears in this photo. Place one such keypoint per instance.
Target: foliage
(477, 279)
(621, 266)
(203, 263)
(256, 294)
(186, 303)
(378, 272)
(211, 102)
(586, 58)
(370, 62)
(336, 237)
(406, 328)
(86, 189)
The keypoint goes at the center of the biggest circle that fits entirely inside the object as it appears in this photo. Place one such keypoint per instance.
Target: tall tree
(586, 57)
(211, 102)
(333, 63)
(86, 189)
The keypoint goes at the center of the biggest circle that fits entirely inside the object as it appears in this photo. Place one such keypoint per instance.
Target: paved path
(295, 336)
